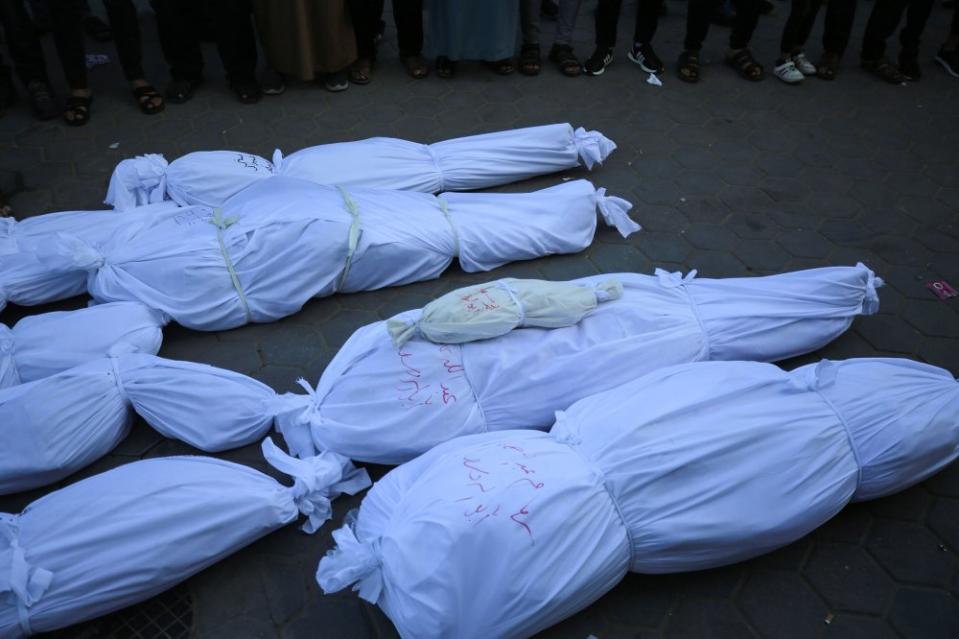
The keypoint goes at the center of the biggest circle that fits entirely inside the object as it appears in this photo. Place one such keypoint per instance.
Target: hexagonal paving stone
(847, 578)
(707, 618)
(925, 614)
(760, 601)
(849, 626)
(910, 553)
(944, 521)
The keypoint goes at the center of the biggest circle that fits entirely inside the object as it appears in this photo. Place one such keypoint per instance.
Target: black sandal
(180, 91)
(146, 97)
(688, 70)
(502, 67)
(79, 106)
(744, 62)
(445, 68)
(530, 62)
(564, 58)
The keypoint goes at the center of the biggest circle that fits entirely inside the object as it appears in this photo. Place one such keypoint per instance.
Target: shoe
(803, 64)
(787, 72)
(272, 82)
(884, 69)
(646, 58)
(247, 91)
(337, 82)
(949, 60)
(565, 60)
(41, 99)
(180, 91)
(596, 64)
(909, 65)
(828, 66)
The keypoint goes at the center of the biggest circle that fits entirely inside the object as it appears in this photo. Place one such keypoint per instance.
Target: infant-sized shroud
(690, 467)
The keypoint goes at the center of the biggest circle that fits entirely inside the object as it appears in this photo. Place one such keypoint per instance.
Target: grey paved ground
(727, 177)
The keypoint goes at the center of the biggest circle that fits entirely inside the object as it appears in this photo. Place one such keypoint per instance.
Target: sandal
(360, 72)
(744, 62)
(688, 70)
(180, 91)
(885, 70)
(146, 97)
(562, 55)
(247, 92)
(416, 66)
(828, 66)
(502, 67)
(530, 62)
(445, 68)
(79, 107)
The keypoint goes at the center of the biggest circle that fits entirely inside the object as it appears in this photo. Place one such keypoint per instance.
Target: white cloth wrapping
(55, 426)
(374, 403)
(687, 468)
(489, 310)
(42, 345)
(210, 178)
(28, 280)
(283, 240)
(125, 535)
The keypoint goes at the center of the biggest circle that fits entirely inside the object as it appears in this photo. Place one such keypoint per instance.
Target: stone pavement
(728, 177)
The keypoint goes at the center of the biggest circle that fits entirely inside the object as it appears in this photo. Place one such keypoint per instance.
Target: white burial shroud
(283, 241)
(377, 403)
(55, 426)
(42, 345)
(210, 178)
(125, 535)
(688, 468)
(26, 279)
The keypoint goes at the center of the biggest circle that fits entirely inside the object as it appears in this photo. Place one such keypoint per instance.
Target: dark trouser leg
(882, 23)
(235, 40)
(126, 34)
(840, 15)
(529, 21)
(607, 17)
(647, 19)
(178, 24)
(917, 15)
(22, 41)
(365, 20)
(698, 15)
(802, 14)
(747, 16)
(408, 16)
(68, 37)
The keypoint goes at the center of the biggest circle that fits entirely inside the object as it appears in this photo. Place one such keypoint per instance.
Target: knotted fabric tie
(221, 225)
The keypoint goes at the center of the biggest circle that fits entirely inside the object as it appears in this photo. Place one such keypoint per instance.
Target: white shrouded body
(55, 426)
(469, 163)
(282, 241)
(42, 345)
(380, 404)
(125, 535)
(687, 468)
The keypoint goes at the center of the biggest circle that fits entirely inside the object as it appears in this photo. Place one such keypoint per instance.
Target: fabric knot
(352, 562)
(138, 181)
(674, 280)
(444, 207)
(27, 583)
(277, 165)
(440, 180)
(608, 291)
(816, 376)
(117, 378)
(402, 330)
(222, 224)
(592, 146)
(520, 309)
(615, 212)
(317, 481)
(870, 300)
(294, 417)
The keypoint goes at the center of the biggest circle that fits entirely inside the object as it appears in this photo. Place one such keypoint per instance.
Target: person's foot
(949, 60)
(247, 91)
(416, 66)
(803, 64)
(42, 101)
(885, 70)
(549, 8)
(828, 66)
(596, 64)
(643, 55)
(77, 110)
(786, 71)
(97, 29)
(180, 91)
(361, 71)
(338, 81)
(687, 68)
(148, 98)
(909, 65)
(445, 68)
(272, 82)
(565, 60)
(745, 64)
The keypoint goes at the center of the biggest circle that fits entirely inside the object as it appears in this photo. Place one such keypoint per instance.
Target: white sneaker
(803, 64)
(788, 73)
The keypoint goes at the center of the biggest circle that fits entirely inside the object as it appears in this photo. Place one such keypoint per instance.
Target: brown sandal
(530, 62)
(885, 70)
(361, 71)
(416, 66)
(747, 66)
(688, 70)
(828, 66)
